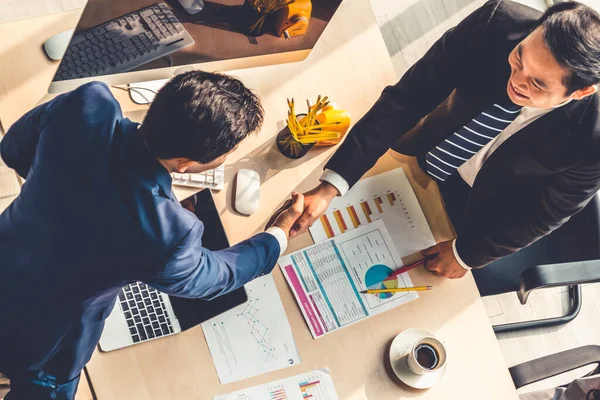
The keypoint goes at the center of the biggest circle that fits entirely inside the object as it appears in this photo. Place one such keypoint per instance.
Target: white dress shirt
(2, 163)
(469, 170)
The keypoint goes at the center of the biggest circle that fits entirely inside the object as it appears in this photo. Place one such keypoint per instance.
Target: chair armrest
(554, 364)
(550, 275)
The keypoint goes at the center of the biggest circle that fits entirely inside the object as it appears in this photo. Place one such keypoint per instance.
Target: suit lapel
(548, 138)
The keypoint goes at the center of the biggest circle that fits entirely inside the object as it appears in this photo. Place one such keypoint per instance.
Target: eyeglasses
(593, 394)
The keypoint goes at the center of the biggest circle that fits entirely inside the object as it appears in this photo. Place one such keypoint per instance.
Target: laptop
(142, 313)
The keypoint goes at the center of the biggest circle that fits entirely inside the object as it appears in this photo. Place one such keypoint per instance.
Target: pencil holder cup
(324, 125)
(256, 17)
(289, 146)
(252, 21)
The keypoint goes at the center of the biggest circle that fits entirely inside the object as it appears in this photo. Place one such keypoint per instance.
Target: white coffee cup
(427, 355)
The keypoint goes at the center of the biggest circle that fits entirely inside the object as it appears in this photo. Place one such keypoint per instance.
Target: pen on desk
(404, 269)
(395, 290)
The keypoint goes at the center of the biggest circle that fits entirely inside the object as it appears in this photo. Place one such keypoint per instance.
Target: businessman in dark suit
(502, 112)
(97, 212)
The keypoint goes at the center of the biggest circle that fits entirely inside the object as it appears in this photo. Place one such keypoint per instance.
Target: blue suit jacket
(96, 213)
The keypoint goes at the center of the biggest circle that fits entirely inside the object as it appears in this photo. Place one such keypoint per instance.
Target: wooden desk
(351, 65)
(25, 71)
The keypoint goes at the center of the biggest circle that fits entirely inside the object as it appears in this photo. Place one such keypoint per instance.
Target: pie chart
(375, 277)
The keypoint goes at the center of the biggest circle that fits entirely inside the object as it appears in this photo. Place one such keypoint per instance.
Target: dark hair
(200, 116)
(571, 31)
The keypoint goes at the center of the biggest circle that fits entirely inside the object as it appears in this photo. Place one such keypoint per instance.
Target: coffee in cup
(427, 355)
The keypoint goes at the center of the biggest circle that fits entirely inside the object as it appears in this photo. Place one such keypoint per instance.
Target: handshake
(299, 213)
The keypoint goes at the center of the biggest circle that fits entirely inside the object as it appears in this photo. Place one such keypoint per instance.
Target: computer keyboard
(124, 43)
(145, 312)
(211, 179)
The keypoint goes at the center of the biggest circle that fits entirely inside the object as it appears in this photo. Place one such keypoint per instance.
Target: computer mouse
(56, 45)
(192, 6)
(247, 191)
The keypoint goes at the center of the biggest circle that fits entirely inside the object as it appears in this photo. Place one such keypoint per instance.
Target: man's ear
(585, 92)
(183, 164)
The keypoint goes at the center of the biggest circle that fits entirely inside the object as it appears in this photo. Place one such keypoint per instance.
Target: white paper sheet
(315, 385)
(327, 278)
(386, 196)
(254, 338)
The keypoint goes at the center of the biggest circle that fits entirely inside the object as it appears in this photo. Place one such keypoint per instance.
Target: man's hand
(285, 218)
(315, 204)
(444, 262)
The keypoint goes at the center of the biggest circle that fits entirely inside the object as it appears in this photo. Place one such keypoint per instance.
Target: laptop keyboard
(145, 312)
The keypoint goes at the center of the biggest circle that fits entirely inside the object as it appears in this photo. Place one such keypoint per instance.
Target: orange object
(328, 115)
(293, 20)
(327, 226)
(353, 216)
(340, 221)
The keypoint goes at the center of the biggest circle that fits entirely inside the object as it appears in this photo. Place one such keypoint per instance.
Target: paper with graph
(254, 338)
(327, 278)
(315, 385)
(386, 196)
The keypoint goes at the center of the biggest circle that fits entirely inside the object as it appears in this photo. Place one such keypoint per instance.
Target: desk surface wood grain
(351, 65)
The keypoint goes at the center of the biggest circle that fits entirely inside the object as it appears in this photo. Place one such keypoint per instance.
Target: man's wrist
(327, 190)
(460, 261)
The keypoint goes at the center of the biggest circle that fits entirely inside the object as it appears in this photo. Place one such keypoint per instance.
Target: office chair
(555, 364)
(569, 256)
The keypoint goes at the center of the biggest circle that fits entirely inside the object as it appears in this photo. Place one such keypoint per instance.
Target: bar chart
(350, 218)
(312, 388)
(314, 385)
(277, 393)
(386, 196)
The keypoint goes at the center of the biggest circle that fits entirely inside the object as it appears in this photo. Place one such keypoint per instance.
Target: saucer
(399, 350)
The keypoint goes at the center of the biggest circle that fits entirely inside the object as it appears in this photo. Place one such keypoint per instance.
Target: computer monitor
(127, 41)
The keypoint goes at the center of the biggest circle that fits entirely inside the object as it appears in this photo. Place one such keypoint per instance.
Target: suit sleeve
(195, 272)
(400, 107)
(563, 196)
(74, 112)
(18, 146)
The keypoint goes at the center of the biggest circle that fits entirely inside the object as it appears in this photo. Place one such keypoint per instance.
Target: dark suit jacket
(96, 213)
(533, 182)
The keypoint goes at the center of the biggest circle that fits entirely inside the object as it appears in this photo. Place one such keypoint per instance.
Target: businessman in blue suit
(97, 213)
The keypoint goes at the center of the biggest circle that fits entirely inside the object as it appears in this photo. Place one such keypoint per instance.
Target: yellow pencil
(311, 139)
(395, 290)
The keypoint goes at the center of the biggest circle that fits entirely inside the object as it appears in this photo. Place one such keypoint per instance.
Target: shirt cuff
(280, 236)
(460, 261)
(336, 180)
(2, 163)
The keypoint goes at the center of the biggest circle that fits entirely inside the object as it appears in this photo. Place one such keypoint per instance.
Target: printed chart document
(315, 385)
(254, 338)
(387, 196)
(327, 278)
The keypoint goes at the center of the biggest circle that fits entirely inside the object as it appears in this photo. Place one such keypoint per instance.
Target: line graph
(258, 330)
(252, 338)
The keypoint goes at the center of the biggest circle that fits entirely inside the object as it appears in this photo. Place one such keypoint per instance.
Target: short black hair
(571, 31)
(200, 116)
